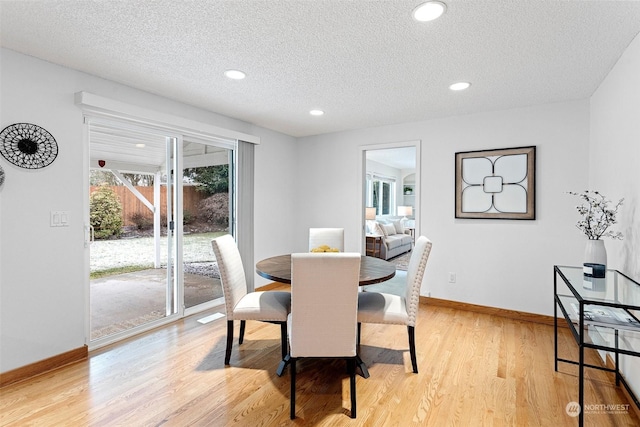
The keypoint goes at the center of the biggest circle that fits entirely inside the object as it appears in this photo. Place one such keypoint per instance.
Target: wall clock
(28, 146)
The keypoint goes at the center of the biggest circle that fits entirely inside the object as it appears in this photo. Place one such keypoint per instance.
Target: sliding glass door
(132, 244)
(155, 202)
(208, 211)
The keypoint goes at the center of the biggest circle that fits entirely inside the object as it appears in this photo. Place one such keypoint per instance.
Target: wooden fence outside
(132, 205)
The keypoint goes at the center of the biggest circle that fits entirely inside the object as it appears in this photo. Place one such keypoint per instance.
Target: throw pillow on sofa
(377, 229)
(398, 226)
(388, 229)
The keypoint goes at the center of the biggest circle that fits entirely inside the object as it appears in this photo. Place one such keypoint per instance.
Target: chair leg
(412, 347)
(293, 389)
(363, 367)
(243, 324)
(359, 362)
(283, 365)
(283, 340)
(227, 355)
(352, 380)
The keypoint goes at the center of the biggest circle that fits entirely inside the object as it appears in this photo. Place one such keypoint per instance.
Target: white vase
(595, 252)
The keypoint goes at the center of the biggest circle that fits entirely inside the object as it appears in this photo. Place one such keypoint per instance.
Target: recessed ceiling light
(429, 11)
(460, 86)
(140, 145)
(316, 112)
(235, 74)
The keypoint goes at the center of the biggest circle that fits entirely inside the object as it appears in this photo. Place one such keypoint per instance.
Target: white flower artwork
(496, 184)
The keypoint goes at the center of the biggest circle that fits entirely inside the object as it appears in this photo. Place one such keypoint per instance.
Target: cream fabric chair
(269, 306)
(332, 237)
(378, 307)
(322, 323)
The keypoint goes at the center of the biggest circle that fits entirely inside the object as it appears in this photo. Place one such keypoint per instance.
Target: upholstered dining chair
(267, 306)
(379, 307)
(322, 323)
(331, 237)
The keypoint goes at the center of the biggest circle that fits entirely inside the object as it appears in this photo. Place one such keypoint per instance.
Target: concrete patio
(123, 301)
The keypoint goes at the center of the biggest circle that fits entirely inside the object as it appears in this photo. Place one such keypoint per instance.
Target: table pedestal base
(364, 372)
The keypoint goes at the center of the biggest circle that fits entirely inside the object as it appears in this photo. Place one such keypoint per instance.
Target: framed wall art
(496, 184)
(28, 146)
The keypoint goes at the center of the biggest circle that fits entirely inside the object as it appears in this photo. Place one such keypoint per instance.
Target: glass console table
(602, 314)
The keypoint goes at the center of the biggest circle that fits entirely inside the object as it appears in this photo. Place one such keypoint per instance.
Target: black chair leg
(243, 324)
(359, 362)
(363, 367)
(293, 389)
(352, 374)
(283, 365)
(227, 355)
(412, 348)
(283, 340)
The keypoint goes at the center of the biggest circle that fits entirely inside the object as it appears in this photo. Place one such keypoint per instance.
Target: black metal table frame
(579, 338)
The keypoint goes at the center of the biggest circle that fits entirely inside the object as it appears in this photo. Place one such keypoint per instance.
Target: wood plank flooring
(475, 370)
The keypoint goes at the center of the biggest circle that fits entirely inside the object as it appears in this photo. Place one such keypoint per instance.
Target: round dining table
(372, 270)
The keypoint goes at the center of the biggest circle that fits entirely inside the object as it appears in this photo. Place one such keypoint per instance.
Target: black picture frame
(496, 184)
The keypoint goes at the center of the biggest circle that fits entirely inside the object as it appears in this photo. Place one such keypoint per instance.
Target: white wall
(499, 263)
(614, 154)
(277, 203)
(614, 158)
(42, 285)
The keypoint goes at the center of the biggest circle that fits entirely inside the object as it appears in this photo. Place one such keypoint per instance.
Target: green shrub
(187, 217)
(105, 213)
(141, 220)
(215, 209)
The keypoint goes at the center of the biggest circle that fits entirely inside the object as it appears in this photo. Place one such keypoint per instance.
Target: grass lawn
(131, 254)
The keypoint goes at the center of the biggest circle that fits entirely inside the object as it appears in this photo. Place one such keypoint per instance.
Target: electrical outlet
(452, 277)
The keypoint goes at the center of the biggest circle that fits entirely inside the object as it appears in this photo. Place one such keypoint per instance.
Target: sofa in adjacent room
(395, 239)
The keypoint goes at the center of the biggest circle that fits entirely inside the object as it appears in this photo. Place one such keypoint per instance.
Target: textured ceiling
(399, 158)
(365, 63)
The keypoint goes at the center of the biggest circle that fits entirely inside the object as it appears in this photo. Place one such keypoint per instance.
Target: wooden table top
(372, 270)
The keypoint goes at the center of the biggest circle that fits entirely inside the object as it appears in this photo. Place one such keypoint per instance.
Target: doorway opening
(390, 193)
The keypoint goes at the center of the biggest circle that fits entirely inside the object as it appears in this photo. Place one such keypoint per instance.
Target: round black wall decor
(28, 146)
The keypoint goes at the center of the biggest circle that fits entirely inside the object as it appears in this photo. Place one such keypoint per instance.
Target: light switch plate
(59, 219)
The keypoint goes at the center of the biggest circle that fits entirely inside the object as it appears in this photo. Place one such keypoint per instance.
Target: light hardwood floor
(475, 370)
